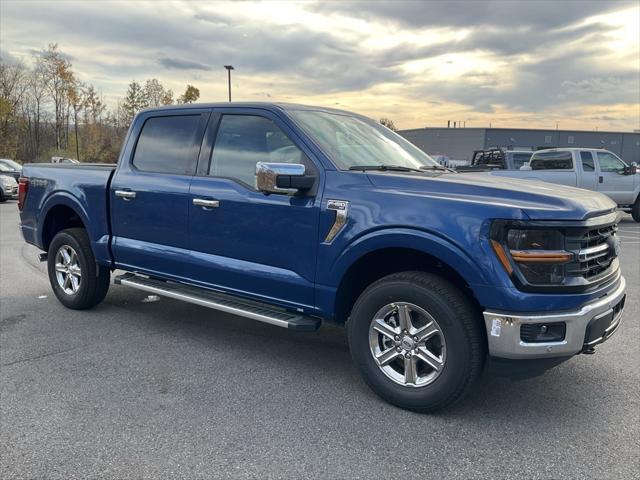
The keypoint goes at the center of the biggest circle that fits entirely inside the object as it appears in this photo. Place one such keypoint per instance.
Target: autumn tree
(12, 87)
(156, 94)
(134, 101)
(387, 122)
(190, 95)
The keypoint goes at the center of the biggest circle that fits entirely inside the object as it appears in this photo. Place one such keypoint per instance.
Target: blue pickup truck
(296, 215)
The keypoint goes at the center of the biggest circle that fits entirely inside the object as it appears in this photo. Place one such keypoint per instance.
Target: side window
(244, 140)
(551, 161)
(587, 162)
(168, 145)
(519, 159)
(609, 162)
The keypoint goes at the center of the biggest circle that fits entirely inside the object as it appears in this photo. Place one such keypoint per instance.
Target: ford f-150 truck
(295, 215)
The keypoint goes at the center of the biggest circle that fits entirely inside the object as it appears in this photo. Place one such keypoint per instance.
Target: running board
(220, 301)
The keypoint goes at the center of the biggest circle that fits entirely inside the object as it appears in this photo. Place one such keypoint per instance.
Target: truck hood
(538, 200)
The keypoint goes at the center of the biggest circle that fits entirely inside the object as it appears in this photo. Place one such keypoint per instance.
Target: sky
(508, 63)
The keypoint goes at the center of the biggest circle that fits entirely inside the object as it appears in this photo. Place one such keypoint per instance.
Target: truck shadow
(322, 361)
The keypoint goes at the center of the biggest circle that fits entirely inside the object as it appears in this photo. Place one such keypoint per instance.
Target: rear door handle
(206, 204)
(126, 194)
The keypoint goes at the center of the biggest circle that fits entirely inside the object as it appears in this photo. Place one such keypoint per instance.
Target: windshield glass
(11, 164)
(4, 168)
(355, 141)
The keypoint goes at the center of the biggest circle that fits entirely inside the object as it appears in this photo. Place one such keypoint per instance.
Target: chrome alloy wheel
(68, 272)
(407, 344)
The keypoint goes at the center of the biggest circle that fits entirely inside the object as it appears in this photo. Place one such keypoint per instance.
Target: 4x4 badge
(341, 208)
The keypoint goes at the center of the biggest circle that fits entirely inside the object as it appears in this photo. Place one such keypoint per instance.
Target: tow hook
(589, 351)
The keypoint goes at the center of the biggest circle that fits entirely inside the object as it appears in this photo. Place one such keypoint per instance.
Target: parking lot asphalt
(162, 389)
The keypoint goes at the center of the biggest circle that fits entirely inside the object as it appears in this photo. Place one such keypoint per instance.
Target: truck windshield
(352, 141)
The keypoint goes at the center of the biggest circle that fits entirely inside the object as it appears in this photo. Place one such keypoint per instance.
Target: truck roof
(282, 106)
(570, 149)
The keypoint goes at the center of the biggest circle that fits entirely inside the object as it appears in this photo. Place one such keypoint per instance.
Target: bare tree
(387, 122)
(156, 94)
(58, 76)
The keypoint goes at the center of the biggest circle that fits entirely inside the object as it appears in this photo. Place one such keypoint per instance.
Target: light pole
(229, 68)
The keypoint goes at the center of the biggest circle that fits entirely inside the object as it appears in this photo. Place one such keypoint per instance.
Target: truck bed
(82, 188)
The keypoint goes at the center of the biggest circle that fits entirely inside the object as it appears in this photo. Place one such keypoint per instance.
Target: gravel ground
(162, 389)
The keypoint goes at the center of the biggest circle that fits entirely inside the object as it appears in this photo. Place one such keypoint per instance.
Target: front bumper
(504, 336)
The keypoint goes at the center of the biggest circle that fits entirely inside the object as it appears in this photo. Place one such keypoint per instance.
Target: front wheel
(416, 340)
(77, 281)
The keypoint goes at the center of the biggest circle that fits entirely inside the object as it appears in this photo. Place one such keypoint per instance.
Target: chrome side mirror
(282, 178)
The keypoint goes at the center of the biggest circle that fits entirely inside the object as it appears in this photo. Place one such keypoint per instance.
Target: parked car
(295, 215)
(10, 167)
(496, 159)
(8, 188)
(593, 169)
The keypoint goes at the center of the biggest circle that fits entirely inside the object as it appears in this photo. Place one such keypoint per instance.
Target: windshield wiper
(385, 168)
(437, 167)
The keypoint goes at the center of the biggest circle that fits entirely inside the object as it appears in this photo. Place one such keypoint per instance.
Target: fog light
(543, 332)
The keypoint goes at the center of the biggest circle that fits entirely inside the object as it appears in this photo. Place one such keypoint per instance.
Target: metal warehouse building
(460, 143)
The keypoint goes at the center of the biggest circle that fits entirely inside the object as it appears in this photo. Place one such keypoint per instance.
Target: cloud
(474, 13)
(479, 57)
(180, 64)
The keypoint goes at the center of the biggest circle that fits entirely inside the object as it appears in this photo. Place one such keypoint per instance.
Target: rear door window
(587, 162)
(169, 144)
(551, 161)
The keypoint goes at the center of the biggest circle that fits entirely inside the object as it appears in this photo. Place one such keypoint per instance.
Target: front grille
(595, 252)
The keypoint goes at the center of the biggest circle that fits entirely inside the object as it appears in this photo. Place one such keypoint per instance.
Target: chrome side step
(220, 301)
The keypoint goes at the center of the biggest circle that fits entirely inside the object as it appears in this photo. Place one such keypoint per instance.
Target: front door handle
(206, 204)
(126, 194)
(600, 179)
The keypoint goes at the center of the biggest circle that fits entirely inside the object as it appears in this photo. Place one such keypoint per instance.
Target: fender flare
(56, 199)
(423, 241)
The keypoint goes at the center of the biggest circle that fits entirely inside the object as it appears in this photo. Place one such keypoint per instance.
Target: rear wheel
(416, 339)
(77, 281)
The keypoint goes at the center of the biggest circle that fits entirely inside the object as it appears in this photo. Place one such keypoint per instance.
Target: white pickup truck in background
(592, 169)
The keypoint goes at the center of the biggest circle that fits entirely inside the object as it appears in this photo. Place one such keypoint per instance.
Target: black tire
(2, 197)
(460, 325)
(95, 279)
(635, 210)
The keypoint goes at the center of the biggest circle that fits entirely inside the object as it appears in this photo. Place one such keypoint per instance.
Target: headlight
(6, 181)
(537, 255)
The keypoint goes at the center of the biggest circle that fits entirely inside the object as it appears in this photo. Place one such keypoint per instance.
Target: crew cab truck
(295, 215)
(593, 169)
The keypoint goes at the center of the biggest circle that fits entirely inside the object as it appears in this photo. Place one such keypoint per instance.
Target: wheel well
(59, 218)
(380, 263)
